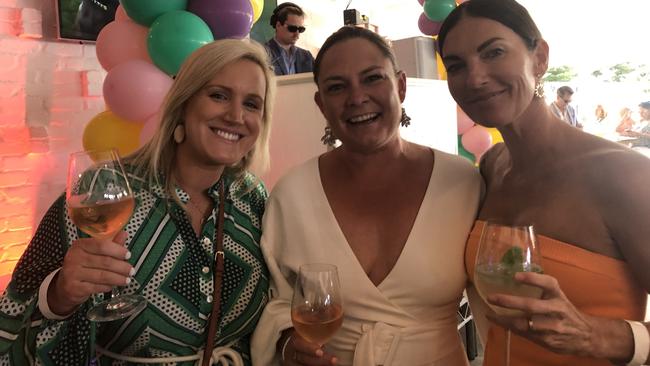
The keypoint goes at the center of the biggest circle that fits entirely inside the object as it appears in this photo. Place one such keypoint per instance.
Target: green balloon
(146, 11)
(174, 36)
(464, 153)
(437, 10)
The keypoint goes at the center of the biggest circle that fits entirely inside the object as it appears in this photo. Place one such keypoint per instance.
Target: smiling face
(490, 72)
(360, 94)
(223, 119)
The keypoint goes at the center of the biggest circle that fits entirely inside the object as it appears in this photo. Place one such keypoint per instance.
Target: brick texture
(49, 90)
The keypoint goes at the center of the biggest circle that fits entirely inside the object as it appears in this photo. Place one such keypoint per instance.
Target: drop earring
(405, 120)
(179, 134)
(328, 138)
(539, 88)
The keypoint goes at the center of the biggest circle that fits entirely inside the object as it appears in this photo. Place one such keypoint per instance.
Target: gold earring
(179, 134)
(539, 88)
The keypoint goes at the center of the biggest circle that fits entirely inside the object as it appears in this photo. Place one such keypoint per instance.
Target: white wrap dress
(410, 317)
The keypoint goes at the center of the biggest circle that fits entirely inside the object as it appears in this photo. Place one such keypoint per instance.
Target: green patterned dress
(174, 272)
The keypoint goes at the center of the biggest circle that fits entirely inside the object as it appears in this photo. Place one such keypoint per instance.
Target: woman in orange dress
(587, 198)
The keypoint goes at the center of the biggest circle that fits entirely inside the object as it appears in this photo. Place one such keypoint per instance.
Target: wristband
(641, 343)
(284, 347)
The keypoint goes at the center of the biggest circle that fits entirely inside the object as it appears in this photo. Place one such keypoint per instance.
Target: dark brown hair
(351, 32)
(282, 11)
(507, 12)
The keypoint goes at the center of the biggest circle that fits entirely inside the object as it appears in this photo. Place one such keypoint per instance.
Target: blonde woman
(215, 123)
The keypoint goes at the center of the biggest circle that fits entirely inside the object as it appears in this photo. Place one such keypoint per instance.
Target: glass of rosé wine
(100, 202)
(317, 307)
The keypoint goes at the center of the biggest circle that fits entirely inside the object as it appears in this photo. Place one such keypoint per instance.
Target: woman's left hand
(553, 321)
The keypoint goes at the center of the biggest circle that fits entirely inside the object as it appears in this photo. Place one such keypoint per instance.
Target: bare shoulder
(618, 178)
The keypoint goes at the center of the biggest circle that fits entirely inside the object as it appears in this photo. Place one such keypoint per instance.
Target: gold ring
(531, 325)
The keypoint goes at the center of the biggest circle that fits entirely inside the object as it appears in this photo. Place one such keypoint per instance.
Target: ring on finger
(531, 325)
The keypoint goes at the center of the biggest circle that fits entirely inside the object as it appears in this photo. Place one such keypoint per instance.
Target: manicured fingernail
(128, 255)
(128, 280)
(319, 353)
(132, 272)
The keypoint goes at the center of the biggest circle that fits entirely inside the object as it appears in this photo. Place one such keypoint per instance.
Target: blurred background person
(288, 20)
(562, 108)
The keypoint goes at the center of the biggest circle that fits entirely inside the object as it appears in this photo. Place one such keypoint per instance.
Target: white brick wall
(49, 90)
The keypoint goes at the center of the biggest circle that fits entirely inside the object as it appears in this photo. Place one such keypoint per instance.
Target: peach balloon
(120, 14)
(477, 140)
(463, 120)
(134, 90)
(121, 41)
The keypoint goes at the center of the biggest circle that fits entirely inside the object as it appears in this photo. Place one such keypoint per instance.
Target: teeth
(228, 135)
(363, 118)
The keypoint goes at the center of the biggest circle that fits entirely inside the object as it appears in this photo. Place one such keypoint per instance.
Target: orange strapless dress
(595, 284)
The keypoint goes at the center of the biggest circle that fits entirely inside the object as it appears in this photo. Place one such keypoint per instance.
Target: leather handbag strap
(218, 282)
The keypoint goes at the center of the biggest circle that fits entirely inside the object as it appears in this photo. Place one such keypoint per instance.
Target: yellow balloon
(496, 135)
(108, 131)
(258, 8)
(442, 72)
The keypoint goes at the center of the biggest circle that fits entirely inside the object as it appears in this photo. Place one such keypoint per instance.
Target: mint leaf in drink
(512, 260)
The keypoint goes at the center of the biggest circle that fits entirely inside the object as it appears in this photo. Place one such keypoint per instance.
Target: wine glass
(316, 307)
(503, 251)
(100, 202)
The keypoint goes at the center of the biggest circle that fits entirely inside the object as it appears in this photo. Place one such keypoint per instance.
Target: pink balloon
(428, 26)
(134, 90)
(464, 122)
(477, 140)
(149, 129)
(120, 14)
(121, 41)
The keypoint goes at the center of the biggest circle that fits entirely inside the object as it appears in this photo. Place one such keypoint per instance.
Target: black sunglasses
(295, 28)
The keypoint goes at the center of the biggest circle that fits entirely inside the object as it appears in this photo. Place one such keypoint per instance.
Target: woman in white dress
(393, 216)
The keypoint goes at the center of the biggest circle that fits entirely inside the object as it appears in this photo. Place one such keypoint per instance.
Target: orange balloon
(108, 131)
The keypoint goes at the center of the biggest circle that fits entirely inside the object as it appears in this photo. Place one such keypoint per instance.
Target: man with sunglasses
(562, 109)
(288, 19)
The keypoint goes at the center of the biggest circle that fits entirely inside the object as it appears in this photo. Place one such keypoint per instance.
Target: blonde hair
(157, 156)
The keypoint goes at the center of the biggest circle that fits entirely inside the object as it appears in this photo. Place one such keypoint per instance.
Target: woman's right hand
(300, 351)
(90, 266)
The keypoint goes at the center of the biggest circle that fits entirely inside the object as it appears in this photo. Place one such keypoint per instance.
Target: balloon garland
(143, 48)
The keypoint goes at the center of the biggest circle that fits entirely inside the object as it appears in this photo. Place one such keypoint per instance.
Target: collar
(291, 47)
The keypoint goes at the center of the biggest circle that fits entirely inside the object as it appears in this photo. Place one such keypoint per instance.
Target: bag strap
(218, 281)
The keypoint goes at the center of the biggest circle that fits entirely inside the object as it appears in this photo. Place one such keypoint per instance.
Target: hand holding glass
(100, 202)
(316, 307)
(502, 252)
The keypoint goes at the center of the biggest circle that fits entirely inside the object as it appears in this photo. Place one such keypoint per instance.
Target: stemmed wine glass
(100, 202)
(503, 251)
(317, 307)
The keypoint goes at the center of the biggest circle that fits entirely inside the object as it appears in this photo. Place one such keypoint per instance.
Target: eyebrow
(480, 48)
(209, 87)
(364, 71)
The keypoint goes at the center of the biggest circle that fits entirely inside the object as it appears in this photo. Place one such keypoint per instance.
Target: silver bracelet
(641, 343)
(284, 347)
